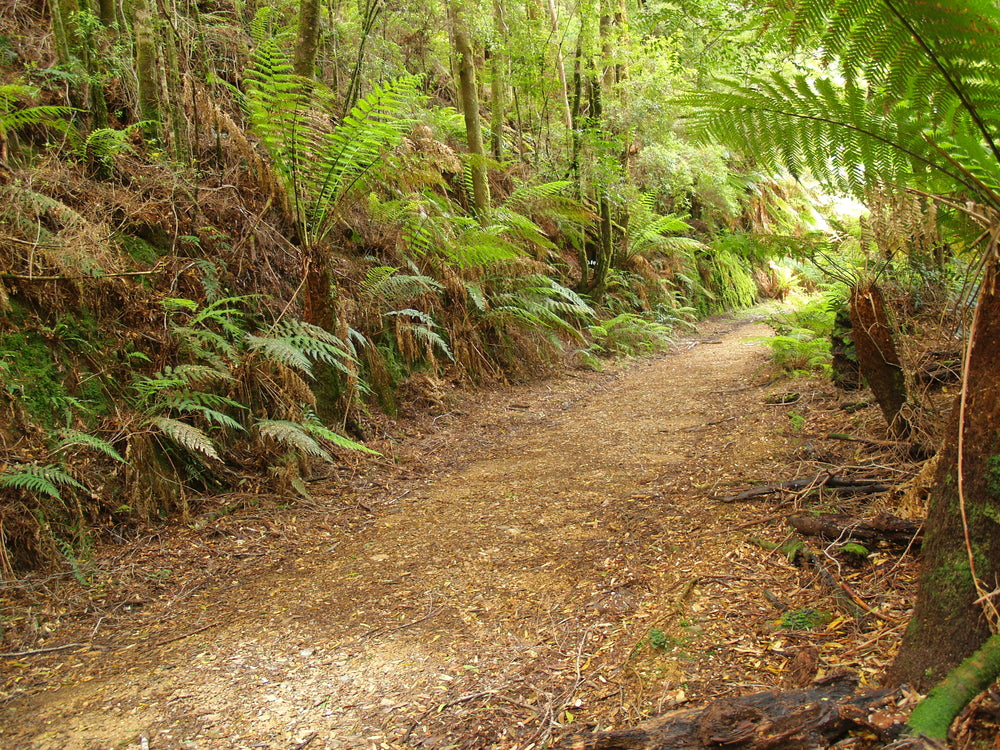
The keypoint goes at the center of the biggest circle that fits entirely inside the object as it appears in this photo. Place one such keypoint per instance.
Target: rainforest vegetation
(233, 234)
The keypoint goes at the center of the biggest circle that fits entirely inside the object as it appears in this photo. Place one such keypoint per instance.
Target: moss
(993, 476)
(32, 375)
(951, 581)
(933, 716)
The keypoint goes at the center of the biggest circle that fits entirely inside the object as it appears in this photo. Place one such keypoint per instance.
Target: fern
(187, 436)
(324, 433)
(422, 329)
(41, 480)
(319, 166)
(917, 101)
(291, 435)
(72, 438)
(12, 118)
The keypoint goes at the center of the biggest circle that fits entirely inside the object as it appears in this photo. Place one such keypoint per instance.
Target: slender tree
(307, 38)
(468, 91)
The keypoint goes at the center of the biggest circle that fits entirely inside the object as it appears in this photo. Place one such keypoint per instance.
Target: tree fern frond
(336, 438)
(280, 350)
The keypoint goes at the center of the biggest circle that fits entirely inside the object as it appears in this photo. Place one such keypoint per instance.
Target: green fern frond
(336, 438)
(476, 295)
(280, 350)
(69, 438)
(42, 480)
(291, 435)
(187, 436)
(204, 404)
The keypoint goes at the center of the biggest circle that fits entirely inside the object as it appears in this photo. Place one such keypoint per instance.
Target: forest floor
(524, 563)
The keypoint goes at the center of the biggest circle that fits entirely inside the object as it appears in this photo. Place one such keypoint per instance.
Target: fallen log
(824, 479)
(813, 717)
(840, 526)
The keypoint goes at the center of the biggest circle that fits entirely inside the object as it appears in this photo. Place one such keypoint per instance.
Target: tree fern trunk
(877, 357)
(948, 625)
(146, 68)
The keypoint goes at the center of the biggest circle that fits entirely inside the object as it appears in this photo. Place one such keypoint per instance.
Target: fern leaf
(71, 438)
(43, 480)
(336, 438)
(291, 435)
(187, 436)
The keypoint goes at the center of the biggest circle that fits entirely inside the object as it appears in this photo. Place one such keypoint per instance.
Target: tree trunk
(948, 625)
(146, 68)
(469, 95)
(560, 65)
(307, 39)
(877, 358)
(497, 88)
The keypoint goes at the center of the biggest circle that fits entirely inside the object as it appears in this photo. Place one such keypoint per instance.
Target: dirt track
(552, 559)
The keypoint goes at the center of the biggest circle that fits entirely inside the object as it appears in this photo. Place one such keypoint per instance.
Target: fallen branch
(824, 479)
(64, 277)
(33, 652)
(842, 527)
(817, 716)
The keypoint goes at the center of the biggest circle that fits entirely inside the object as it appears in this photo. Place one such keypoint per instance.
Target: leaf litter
(526, 563)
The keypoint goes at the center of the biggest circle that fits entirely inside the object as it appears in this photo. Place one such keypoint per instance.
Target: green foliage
(648, 233)
(806, 618)
(728, 283)
(318, 166)
(42, 480)
(912, 103)
(199, 406)
(629, 335)
(14, 117)
(801, 345)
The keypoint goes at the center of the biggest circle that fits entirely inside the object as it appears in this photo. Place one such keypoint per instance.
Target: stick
(429, 615)
(60, 277)
(17, 654)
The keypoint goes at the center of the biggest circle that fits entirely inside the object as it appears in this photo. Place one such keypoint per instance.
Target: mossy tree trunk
(948, 624)
(468, 94)
(307, 39)
(877, 357)
(146, 68)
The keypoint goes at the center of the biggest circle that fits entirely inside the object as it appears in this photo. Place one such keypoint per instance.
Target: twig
(186, 635)
(17, 654)
(63, 277)
(429, 615)
(306, 741)
(443, 706)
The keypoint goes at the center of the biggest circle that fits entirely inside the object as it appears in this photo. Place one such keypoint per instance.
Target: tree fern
(291, 435)
(312, 426)
(319, 165)
(918, 99)
(13, 118)
(422, 326)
